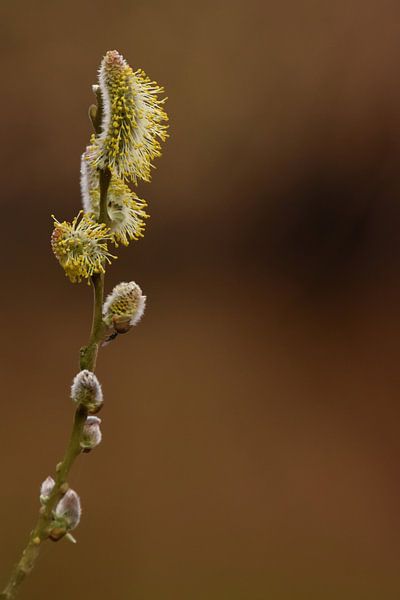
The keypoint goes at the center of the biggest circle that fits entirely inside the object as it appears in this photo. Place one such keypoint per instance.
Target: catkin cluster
(131, 124)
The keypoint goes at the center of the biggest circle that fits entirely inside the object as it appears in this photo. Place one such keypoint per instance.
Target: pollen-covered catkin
(126, 211)
(134, 121)
(81, 247)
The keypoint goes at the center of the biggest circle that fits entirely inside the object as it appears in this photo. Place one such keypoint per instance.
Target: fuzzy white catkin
(125, 303)
(86, 390)
(91, 435)
(46, 488)
(69, 510)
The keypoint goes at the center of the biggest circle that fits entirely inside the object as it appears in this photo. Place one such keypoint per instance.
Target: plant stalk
(88, 357)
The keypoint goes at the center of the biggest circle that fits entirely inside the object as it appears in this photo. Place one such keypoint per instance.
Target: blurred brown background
(251, 447)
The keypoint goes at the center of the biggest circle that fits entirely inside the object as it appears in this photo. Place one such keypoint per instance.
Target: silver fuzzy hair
(105, 96)
(140, 310)
(85, 186)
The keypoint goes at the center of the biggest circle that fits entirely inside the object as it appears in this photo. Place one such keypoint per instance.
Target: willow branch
(88, 357)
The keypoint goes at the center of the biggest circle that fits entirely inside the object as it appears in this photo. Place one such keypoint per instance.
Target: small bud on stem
(46, 488)
(91, 435)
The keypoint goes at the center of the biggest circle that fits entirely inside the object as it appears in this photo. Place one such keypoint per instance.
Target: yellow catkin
(134, 121)
(81, 247)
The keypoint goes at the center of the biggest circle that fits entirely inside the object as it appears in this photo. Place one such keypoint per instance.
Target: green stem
(88, 354)
(88, 357)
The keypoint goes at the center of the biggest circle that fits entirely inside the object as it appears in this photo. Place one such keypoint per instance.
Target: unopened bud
(57, 533)
(68, 511)
(91, 435)
(46, 488)
(86, 390)
(124, 307)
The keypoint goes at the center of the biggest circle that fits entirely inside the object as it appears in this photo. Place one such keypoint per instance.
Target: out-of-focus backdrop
(251, 427)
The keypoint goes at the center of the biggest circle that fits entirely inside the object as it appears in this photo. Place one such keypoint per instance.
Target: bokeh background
(251, 428)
